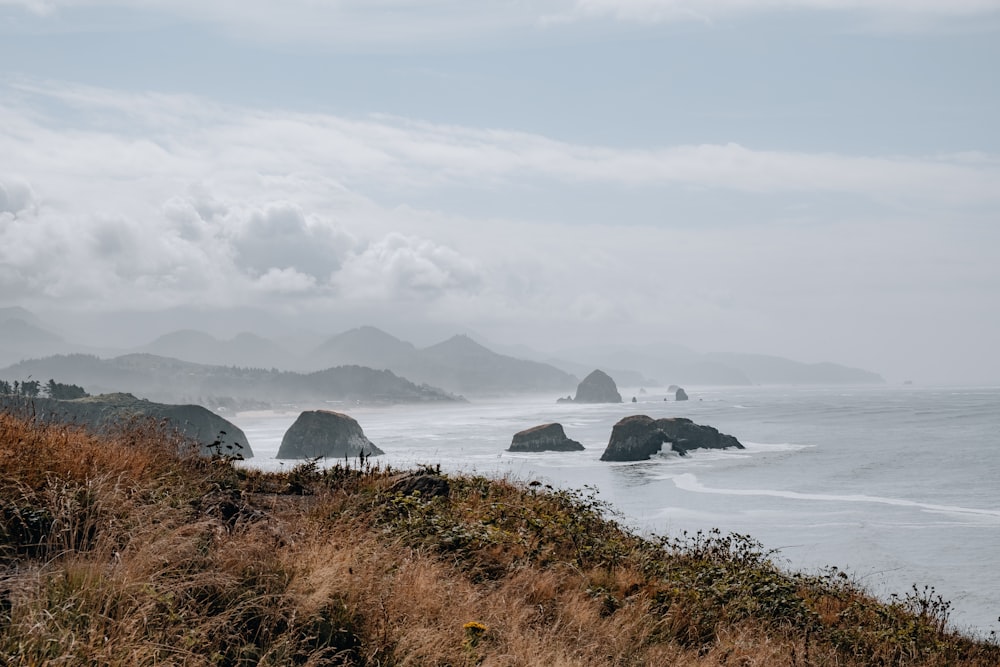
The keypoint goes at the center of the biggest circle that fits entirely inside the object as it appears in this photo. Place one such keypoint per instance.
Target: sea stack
(598, 387)
(544, 438)
(680, 394)
(325, 434)
(638, 437)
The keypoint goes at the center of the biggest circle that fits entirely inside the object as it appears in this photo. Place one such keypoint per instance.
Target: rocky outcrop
(680, 394)
(544, 438)
(427, 484)
(214, 434)
(638, 437)
(598, 387)
(325, 434)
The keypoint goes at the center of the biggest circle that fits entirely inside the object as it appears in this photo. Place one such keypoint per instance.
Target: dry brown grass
(118, 550)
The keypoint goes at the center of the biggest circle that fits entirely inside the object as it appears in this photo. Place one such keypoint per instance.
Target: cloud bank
(116, 200)
(387, 24)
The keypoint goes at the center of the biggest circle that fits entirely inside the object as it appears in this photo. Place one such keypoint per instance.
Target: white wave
(688, 482)
(775, 447)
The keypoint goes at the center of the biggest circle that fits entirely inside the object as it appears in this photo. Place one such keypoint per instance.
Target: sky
(816, 179)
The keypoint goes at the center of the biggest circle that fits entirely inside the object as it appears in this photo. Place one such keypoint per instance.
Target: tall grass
(127, 549)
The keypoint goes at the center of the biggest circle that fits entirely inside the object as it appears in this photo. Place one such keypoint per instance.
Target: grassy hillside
(121, 551)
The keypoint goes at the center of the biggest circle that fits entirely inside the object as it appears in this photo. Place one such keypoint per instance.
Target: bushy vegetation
(128, 549)
(32, 388)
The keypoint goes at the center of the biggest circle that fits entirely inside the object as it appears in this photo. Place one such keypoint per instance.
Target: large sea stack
(638, 437)
(103, 413)
(325, 434)
(598, 387)
(544, 438)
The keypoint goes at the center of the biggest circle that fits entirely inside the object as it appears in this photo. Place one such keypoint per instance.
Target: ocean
(897, 486)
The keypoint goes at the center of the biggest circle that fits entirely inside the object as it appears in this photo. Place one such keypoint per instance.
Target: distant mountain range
(245, 349)
(460, 365)
(676, 364)
(22, 336)
(170, 380)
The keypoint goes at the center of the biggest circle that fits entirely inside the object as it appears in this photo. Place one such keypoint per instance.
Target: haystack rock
(598, 387)
(325, 434)
(544, 438)
(680, 394)
(638, 437)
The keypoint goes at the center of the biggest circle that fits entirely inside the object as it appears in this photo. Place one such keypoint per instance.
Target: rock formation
(598, 387)
(325, 434)
(427, 484)
(680, 394)
(638, 437)
(213, 434)
(544, 438)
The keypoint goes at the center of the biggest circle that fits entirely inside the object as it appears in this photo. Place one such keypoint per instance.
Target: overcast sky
(817, 179)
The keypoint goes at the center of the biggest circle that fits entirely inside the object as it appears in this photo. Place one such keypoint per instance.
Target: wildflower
(474, 631)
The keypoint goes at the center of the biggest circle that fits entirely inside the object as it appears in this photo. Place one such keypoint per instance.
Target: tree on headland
(65, 392)
(33, 388)
(30, 388)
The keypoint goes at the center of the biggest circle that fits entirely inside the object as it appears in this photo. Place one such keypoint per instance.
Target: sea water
(896, 486)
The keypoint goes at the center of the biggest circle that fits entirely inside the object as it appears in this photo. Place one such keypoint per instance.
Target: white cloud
(285, 281)
(281, 235)
(389, 24)
(15, 197)
(292, 153)
(655, 11)
(404, 267)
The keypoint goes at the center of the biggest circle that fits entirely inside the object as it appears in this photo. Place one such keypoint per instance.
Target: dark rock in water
(638, 437)
(680, 395)
(544, 438)
(214, 434)
(633, 400)
(428, 485)
(598, 387)
(325, 434)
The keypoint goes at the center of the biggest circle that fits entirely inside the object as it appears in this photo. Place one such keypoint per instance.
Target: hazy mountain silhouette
(465, 365)
(174, 381)
(365, 346)
(244, 349)
(767, 369)
(22, 335)
(19, 313)
(458, 364)
(676, 364)
(624, 377)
